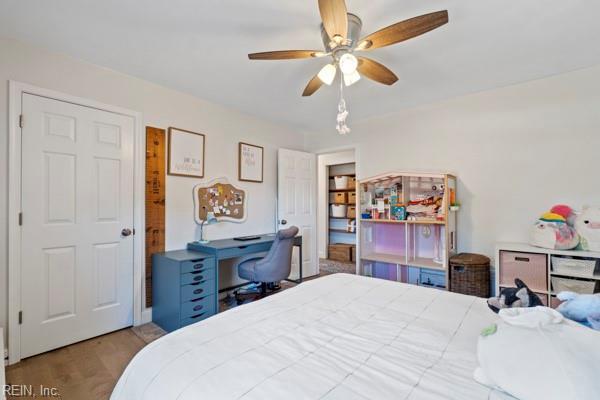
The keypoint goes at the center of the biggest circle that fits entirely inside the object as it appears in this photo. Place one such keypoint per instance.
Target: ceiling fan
(340, 32)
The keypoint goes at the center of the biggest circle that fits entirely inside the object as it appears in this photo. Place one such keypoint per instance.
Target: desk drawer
(196, 318)
(197, 265)
(201, 275)
(199, 306)
(197, 290)
(242, 250)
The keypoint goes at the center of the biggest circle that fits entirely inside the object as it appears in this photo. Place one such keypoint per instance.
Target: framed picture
(250, 163)
(186, 153)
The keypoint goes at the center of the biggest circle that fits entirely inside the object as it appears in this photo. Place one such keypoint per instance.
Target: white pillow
(535, 353)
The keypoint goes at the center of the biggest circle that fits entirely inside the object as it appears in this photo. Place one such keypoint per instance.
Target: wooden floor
(87, 370)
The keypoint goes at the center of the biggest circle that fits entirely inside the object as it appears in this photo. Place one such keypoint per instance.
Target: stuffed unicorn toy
(587, 223)
(554, 229)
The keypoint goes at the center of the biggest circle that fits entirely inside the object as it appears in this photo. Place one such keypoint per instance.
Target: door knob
(126, 232)
(283, 222)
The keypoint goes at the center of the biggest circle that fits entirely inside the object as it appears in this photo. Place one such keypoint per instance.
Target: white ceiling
(200, 47)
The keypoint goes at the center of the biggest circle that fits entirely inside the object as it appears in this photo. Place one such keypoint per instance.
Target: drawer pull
(198, 307)
(197, 315)
(524, 259)
(242, 247)
(198, 266)
(198, 278)
(198, 291)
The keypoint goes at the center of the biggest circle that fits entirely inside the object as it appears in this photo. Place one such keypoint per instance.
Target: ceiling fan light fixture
(351, 78)
(364, 45)
(348, 63)
(327, 74)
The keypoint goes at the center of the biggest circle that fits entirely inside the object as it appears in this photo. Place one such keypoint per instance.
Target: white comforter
(337, 337)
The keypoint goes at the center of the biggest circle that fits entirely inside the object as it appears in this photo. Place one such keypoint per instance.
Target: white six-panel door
(296, 200)
(77, 198)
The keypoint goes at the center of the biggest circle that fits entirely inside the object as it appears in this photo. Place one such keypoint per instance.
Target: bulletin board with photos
(227, 202)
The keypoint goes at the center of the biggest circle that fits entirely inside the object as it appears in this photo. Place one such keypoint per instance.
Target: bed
(337, 337)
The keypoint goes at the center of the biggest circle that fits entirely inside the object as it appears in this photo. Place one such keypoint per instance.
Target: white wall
(516, 150)
(161, 107)
(324, 161)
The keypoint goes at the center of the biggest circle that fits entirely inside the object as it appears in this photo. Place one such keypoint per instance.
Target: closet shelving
(342, 229)
(413, 250)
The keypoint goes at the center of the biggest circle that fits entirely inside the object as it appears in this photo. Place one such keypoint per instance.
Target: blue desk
(229, 248)
(185, 286)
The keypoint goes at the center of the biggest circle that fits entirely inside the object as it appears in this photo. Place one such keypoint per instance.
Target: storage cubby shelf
(576, 275)
(385, 258)
(428, 263)
(420, 262)
(409, 222)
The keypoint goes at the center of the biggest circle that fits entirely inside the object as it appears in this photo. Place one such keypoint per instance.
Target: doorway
(337, 213)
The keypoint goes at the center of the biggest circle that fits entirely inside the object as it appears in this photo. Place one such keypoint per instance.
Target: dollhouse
(408, 227)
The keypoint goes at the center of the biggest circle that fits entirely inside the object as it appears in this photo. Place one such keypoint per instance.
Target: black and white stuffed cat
(520, 296)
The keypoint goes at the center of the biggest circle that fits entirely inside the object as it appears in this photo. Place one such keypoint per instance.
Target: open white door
(296, 200)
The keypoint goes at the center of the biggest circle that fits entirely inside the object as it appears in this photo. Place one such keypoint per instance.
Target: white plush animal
(580, 307)
(587, 225)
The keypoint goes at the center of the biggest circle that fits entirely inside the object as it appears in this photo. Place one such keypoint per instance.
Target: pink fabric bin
(531, 268)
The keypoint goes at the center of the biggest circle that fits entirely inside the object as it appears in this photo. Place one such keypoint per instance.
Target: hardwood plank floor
(87, 370)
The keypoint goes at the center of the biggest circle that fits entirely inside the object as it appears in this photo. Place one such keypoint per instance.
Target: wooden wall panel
(155, 200)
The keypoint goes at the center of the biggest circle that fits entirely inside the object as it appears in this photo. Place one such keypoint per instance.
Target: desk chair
(268, 267)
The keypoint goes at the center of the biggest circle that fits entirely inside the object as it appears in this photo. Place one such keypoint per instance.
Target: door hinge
(20, 219)
(20, 317)
(20, 120)
(133, 230)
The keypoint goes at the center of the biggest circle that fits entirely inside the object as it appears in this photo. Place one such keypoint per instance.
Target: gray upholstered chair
(268, 267)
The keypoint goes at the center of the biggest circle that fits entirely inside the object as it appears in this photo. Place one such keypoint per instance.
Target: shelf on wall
(332, 230)
(342, 190)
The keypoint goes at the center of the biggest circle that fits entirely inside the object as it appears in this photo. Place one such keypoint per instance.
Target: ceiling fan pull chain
(341, 126)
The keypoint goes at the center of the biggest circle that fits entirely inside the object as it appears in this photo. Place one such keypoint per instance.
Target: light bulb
(348, 63)
(327, 74)
(351, 78)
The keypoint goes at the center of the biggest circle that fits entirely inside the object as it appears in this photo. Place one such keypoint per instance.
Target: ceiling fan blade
(286, 54)
(314, 85)
(335, 17)
(404, 30)
(376, 71)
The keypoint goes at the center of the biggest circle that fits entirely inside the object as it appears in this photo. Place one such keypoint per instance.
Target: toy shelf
(412, 232)
(541, 270)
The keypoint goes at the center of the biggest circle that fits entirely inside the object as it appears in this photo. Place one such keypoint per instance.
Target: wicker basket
(470, 274)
